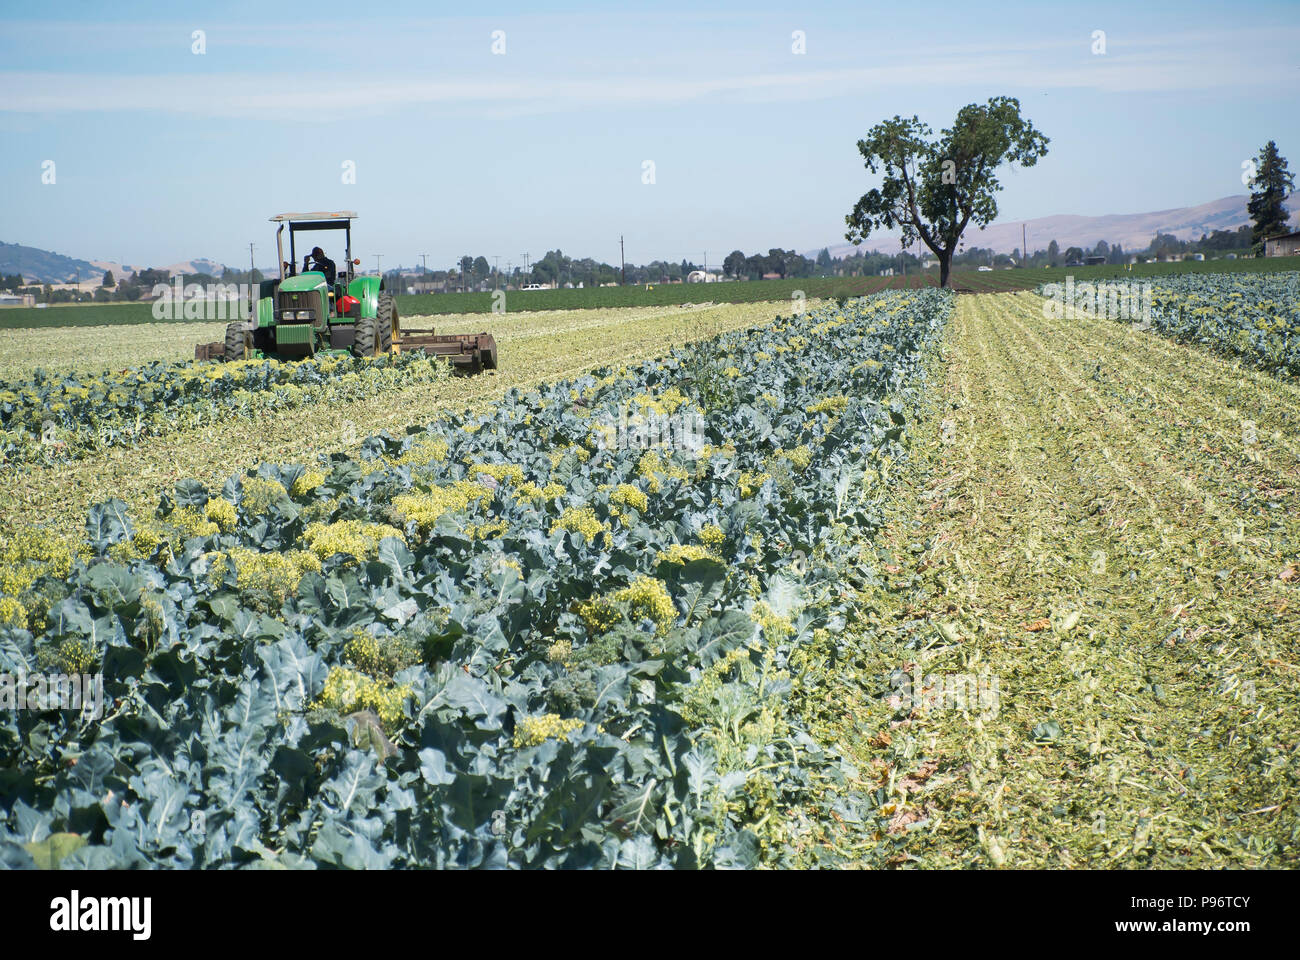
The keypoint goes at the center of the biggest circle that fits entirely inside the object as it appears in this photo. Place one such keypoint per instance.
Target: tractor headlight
(289, 315)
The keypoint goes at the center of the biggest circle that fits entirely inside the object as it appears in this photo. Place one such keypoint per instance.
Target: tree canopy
(1272, 184)
(934, 188)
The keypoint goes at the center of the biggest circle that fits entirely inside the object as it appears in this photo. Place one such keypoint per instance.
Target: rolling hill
(1132, 230)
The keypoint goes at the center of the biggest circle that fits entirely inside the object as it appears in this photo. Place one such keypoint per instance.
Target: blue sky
(163, 154)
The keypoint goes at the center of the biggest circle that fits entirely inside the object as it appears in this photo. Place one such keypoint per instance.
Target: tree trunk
(945, 262)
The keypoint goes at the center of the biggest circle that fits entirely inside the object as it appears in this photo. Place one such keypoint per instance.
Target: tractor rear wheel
(374, 335)
(235, 349)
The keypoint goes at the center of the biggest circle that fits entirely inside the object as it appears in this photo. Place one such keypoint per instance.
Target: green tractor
(304, 312)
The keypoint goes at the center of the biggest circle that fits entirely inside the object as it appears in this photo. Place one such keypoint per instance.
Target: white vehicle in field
(532, 286)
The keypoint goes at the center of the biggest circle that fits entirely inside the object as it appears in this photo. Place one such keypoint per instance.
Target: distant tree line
(139, 285)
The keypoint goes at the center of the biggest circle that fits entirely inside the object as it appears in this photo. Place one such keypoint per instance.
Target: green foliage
(1251, 315)
(934, 189)
(536, 697)
(56, 418)
(1272, 184)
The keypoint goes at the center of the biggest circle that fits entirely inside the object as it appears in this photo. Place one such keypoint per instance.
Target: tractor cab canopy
(318, 220)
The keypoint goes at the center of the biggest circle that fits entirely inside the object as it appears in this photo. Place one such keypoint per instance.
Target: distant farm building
(701, 276)
(1283, 245)
(1094, 261)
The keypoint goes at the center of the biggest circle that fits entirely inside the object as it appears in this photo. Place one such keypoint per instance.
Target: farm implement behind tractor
(323, 310)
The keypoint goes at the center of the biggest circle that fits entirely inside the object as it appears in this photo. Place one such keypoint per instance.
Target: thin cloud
(1169, 64)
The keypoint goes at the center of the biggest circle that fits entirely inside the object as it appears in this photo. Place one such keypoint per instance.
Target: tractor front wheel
(235, 343)
(386, 322)
(365, 335)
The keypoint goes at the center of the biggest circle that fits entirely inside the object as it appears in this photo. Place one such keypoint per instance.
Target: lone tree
(934, 189)
(1267, 207)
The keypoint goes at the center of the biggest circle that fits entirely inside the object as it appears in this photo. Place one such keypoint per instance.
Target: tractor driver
(320, 262)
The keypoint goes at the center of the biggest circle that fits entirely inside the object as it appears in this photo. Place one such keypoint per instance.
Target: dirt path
(1094, 567)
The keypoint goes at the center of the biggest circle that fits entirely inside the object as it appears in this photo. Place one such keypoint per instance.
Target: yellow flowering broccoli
(192, 521)
(711, 535)
(307, 481)
(630, 496)
(222, 513)
(353, 538)
(273, 573)
(425, 509)
(644, 597)
(832, 405)
(259, 494)
(683, 554)
(580, 520)
(532, 731)
(347, 691)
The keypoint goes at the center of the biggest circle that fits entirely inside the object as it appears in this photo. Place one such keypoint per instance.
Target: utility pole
(621, 262)
(377, 256)
(496, 270)
(424, 260)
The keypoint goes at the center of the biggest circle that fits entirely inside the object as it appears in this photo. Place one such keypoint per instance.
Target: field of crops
(535, 348)
(524, 637)
(918, 580)
(663, 294)
(51, 418)
(1253, 316)
(1082, 650)
(683, 293)
(59, 403)
(61, 350)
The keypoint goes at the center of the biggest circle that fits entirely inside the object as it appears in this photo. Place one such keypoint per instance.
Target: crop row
(51, 418)
(567, 632)
(1252, 315)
